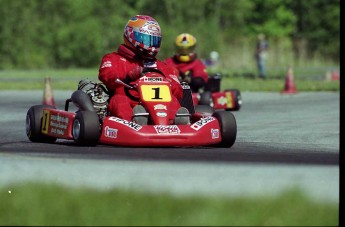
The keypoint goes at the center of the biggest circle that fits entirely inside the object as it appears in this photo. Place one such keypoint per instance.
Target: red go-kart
(91, 125)
(229, 99)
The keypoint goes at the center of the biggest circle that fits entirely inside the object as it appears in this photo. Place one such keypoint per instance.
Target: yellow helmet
(185, 46)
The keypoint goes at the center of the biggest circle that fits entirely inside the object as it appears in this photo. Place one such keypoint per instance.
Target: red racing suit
(195, 68)
(126, 66)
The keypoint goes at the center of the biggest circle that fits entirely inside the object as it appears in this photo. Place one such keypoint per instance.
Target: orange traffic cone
(328, 76)
(289, 87)
(48, 98)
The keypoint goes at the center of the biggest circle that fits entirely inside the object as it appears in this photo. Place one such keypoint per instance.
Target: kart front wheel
(34, 124)
(86, 128)
(228, 128)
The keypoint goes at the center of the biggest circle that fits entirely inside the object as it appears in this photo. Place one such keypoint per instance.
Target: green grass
(277, 85)
(43, 204)
(68, 80)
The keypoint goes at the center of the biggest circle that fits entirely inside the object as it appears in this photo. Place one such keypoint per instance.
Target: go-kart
(90, 124)
(229, 99)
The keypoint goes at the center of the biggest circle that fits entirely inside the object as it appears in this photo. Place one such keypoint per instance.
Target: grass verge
(43, 204)
(68, 80)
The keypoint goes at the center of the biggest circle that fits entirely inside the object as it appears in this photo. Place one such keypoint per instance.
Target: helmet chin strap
(186, 58)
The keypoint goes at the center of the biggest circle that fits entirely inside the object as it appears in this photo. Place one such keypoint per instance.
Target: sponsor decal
(222, 100)
(59, 119)
(129, 124)
(160, 107)
(202, 122)
(106, 64)
(215, 133)
(110, 132)
(229, 99)
(185, 86)
(153, 27)
(153, 79)
(167, 129)
(56, 123)
(161, 114)
(150, 28)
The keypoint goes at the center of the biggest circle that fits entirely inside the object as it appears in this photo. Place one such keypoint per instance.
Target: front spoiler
(116, 131)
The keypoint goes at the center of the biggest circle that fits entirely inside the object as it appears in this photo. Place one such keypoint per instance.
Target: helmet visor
(185, 50)
(148, 40)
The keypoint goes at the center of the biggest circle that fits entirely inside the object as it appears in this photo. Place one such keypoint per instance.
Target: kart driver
(192, 70)
(142, 41)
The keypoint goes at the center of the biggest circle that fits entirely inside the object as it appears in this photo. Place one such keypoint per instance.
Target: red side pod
(223, 100)
(57, 123)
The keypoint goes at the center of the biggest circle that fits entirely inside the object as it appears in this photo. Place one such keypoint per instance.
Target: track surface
(282, 141)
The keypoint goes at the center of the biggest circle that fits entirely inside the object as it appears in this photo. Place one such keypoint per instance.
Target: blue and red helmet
(143, 33)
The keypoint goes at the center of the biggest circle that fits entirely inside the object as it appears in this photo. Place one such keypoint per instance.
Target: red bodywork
(57, 123)
(155, 95)
(116, 131)
(221, 100)
(120, 132)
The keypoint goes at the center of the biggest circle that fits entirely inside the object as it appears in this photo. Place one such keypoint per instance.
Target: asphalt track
(283, 141)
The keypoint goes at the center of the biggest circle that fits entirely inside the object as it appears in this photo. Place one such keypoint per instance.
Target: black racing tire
(86, 128)
(204, 109)
(238, 99)
(205, 98)
(34, 124)
(228, 128)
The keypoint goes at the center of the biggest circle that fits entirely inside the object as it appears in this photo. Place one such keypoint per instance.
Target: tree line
(77, 33)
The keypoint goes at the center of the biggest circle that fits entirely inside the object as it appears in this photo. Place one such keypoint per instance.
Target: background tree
(77, 33)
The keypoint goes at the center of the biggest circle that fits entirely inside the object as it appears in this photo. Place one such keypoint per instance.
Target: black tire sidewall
(89, 128)
(228, 128)
(35, 114)
(238, 99)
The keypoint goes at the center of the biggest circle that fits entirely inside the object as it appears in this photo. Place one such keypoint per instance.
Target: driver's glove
(187, 77)
(135, 73)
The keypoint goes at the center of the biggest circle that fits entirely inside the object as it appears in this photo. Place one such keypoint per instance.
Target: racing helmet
(185, 47)
(143, 34)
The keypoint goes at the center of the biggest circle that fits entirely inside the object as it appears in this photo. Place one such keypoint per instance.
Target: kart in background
(229, 99)
(91, 125)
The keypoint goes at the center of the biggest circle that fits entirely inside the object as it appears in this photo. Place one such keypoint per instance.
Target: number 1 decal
(45, 121)
(156, 89)
(156, 93)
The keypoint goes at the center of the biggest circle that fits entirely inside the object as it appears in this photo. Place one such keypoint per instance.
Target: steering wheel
(147, 70)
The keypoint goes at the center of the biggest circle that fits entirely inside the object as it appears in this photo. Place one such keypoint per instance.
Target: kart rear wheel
(206, 98)
(34, 124)
(86, 128)
(238, 99)
(228, 128)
